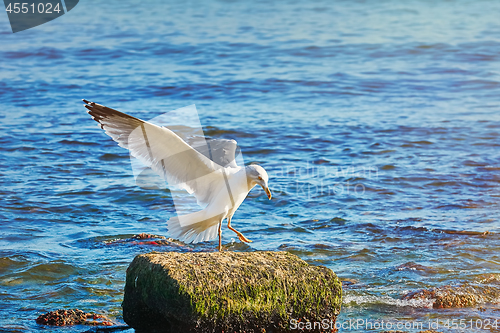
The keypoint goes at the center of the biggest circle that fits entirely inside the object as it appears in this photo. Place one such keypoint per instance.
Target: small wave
(412, 266)
(83, 143)
(112, 157)
(218, 132)
(43, 52)
(357, 300)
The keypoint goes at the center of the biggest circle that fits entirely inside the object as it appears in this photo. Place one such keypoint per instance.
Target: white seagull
(211, 175)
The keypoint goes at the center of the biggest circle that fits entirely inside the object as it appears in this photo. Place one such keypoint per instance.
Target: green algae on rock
(227, 291)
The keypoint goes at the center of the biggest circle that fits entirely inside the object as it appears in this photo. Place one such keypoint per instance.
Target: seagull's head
(256, 175)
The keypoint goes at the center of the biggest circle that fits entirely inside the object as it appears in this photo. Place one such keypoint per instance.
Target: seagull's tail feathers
(195, 227)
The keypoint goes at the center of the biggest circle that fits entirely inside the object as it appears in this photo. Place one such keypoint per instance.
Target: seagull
(205, 169)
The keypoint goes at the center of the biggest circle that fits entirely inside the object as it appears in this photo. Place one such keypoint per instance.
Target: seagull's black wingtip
(85, 101)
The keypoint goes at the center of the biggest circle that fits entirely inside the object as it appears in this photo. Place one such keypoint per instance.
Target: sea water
(378, 123)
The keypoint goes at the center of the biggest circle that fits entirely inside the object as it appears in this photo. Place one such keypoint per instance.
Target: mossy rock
(227, 292)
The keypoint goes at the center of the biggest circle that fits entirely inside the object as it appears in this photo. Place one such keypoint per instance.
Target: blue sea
(377, 121)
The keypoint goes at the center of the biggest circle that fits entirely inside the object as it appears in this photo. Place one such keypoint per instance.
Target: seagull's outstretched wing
(161, 149)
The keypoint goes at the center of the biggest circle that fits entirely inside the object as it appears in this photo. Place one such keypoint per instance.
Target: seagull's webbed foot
(243, 238)
(239, 234)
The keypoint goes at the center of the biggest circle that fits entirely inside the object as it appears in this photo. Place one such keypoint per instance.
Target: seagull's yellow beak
(268, 192)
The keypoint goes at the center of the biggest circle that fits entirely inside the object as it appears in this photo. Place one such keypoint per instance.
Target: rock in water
(228, 291)
(466, 295)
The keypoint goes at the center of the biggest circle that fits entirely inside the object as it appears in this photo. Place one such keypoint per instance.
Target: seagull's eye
(260, 178)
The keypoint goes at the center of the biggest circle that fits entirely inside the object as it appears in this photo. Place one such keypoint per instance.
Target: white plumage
(219, 188)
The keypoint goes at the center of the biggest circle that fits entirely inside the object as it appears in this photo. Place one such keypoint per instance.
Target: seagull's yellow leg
(220, 236)
(240, 235)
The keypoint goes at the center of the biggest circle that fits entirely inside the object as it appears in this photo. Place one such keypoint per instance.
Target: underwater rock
(147, 239)
(227, 291)
(72, 317)
(466, 295)
(411, 266)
